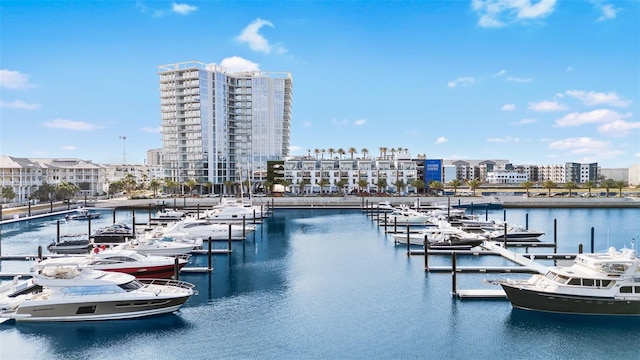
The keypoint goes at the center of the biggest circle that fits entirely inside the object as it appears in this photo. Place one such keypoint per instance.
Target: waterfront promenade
(332, 202)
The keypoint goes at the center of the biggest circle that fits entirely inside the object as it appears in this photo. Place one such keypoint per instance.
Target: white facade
(306, 174)
(506, 177)
(221, 127)
(26, 175)
(142, 174)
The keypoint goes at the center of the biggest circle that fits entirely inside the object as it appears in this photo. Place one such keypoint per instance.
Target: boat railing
(167, 282)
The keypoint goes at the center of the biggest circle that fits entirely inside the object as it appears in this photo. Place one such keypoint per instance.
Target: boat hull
(527, 299)
(86, 310)
(146, 272)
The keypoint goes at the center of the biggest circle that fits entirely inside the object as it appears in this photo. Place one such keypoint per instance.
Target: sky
(537, 82)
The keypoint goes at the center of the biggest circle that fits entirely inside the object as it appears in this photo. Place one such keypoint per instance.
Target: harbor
(319, 275)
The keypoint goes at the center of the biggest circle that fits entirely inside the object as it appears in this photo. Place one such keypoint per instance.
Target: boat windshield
(91, 290)
(131, 285)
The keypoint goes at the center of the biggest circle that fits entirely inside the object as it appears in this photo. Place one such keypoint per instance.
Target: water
(329, 284)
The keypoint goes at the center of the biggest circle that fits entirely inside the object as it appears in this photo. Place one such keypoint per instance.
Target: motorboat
(169, 214)
(121, 260)
(161, 246)
(443, 236)
(382, 206)
(233, 212)
(191, 228)
(114, 233)
(514, 233)
(67, 293)
(405, 215)
(594, 284)
(71, 244)
(83, 214)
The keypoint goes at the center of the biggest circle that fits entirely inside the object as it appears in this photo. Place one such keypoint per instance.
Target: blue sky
(533, 82)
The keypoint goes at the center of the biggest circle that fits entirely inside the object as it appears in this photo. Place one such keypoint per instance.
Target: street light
(124, 149)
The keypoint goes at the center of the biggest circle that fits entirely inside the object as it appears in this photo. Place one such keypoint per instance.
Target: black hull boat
(455, 244)
(71, 247)
(595, 284)
(566, 304)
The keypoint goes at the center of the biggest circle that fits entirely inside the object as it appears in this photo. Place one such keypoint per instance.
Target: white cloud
(237, 64)
(306, 124)
(183, 9)
(618, 128)
(359, 122)
(546, 106)
(595, 116)
(519, 80)
(500, 73)
(71, 125)
(441, 140)
(593, 98)
(344, 122)
(499, 13)
(525, 121)
(581, 145)
(257, 42)
(70, 147)
(462, 81)
(14, 79)
(637, 154)
(155, 130)
(608, 11)
(18, 104)
(505, 139)
(508, 107)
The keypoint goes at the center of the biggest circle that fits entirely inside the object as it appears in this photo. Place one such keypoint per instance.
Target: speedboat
(83, 214)
(405, 215)
(514, 233)
(121, 260)
(114, 233)
(169, 214)
(67, 293)
(191, 228)
(161, 246)
(236, 213)
(595, 284)
(443, 236)
(71, 244)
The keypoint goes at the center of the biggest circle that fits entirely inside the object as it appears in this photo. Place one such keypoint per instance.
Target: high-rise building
(218, 126)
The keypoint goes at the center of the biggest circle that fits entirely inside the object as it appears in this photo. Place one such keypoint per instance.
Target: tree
(317, 152)
(227, 185)
(474, 184)
(341, 153)
(208, 185)
(570, 185)
(129, 183)
(322, 183)
(381, 184)
(608, 184)
(190, 184)
(455, 184)
(155, 185)
(527, 185)
(341, 184)
(8, 194)
(362, 183)
(352, 151)
(549, 185)
(383, 151)
(419, 185)
(45, 192)
(435, 185)
(331, 151)
(620, 185)
(171, 185)
(66, 190)
(364, 152)
(588, 185)
(399, 184)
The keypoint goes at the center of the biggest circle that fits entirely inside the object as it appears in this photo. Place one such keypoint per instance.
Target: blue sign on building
(432, 171)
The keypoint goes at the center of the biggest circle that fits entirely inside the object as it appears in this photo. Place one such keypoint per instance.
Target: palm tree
(317, 152)
(435, 185)
(620, 185)
(352, 151)
(341, 152)
(208, 185)
(549, 185)
(362, 183)
(570, 185)
(399, 184)
(171, 185)
(381, 184)
(608, 184)
(589, 184)
(474, 184)
(455, 184)
(364, 152)
(190, 184)
(129, 183)
(527, 185)
(341, 184)
(393, 152)
(419, 185)
(383, 151)
(331, 151)
(323, 151)
(8, 194)
(155, 185)
(323, 182)
(65, 189)
(228, 184)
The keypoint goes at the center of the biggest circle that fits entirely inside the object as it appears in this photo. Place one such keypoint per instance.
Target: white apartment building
(26, 175)
(143, 174)
(500, 176)
(219, 126)
(304, 174)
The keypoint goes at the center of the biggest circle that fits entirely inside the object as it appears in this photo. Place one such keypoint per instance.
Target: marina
(333, 276)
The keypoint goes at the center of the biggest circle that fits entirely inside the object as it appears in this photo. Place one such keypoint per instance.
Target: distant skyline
(533, 82)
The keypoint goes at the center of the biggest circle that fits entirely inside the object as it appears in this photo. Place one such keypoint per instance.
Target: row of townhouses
(305, 175)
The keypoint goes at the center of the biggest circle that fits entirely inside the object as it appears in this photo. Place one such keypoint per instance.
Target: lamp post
(124, 149)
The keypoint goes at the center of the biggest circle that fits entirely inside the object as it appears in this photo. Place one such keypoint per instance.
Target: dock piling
(592, 239)
(426, 253)
(229, 246)
(176, 268)
(209, 256)
(408, 240)
(39, 251)
(454, 285)
(580, 248)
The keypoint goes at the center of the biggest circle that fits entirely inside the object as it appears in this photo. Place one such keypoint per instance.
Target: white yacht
(595, 284)
(191, 228)
(66, 293)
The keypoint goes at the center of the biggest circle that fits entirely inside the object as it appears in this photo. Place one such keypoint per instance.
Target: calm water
(329, 284)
